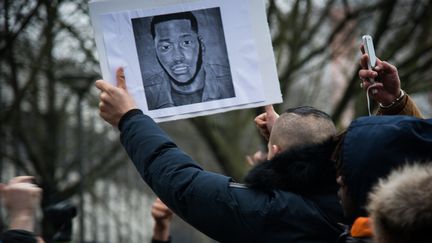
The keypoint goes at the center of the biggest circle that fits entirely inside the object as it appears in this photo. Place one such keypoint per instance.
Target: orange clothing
(362, 228)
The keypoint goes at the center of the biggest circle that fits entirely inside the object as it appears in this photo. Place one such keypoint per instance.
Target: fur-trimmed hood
(302, 169)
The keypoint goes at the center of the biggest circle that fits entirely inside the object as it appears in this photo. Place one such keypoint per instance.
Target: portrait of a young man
(177, 66)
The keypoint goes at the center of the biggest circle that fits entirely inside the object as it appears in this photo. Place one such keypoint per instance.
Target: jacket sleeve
(18, 236)
(203, 199)
(406, 106)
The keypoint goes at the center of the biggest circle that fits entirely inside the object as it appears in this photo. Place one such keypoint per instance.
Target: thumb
(270, 112)
(121, 81)
(269, 109)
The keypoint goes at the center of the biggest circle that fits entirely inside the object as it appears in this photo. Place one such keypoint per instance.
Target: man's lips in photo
(180, 68)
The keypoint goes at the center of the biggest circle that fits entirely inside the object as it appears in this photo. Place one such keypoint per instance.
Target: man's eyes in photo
(164, 46)
(187, 42)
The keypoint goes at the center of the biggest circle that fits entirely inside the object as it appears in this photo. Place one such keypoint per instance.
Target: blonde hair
(401, 205)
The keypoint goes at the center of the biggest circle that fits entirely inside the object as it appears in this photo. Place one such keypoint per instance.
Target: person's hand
(387, 89)
(21, 199)
(162, 216)
(115, 101)
(258, 157)
(266, 120)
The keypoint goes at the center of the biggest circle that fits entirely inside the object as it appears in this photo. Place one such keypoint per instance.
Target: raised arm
(162, 217)
(387, 91)
(21, 200)
(203, 199)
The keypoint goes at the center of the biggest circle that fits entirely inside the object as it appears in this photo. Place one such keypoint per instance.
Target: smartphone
(370, 50)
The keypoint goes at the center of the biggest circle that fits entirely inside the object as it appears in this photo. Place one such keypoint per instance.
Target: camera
(60, 217)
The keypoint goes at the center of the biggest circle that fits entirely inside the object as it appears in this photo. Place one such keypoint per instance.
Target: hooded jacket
(374, 146)
(272, 208)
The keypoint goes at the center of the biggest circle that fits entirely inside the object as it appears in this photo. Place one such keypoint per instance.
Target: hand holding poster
(188, 58)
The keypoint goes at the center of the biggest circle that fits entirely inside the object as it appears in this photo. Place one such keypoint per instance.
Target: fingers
(365, 84)
(265, 121)
(107, 90)
(256, 158)
(376, 85)
(121, 82)
(159, 205)
(22, 179)
(21, 193)
(158, 213)
(249, 160)
(385, 66)
(160, 210)
(363, 61)
(103, 86)
(104, 97)
(271, 117)
(365, 74)
(104, 102)
(114, 101)
(260, 120)
(271, 113)
(362, 48)
(120, 77)
(374, 89)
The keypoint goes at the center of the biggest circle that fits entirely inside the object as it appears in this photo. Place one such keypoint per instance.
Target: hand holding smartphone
(370, 50)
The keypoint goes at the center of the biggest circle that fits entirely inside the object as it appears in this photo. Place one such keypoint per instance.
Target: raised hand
(115, 101)
(386, 89)
(266, 120)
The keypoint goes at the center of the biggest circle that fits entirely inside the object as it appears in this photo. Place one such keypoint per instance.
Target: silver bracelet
(394, 102)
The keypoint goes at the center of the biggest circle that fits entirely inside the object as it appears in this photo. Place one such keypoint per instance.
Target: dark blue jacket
(221, 209)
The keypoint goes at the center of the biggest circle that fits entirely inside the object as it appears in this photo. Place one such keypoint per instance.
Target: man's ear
(275, 149)
(202, 44)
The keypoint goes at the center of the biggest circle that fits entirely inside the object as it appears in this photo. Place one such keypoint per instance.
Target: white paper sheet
(235, 35)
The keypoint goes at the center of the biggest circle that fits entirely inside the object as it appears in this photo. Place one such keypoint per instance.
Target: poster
(188, 58)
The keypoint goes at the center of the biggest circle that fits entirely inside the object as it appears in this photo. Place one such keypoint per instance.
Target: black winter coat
(299, 207)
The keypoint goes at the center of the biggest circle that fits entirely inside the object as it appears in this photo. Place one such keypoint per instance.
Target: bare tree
(48, 65)
(311, 37)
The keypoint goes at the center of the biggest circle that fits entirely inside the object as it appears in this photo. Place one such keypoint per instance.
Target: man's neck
(196, 85)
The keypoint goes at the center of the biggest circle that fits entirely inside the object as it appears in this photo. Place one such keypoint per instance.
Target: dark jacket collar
(303, 169)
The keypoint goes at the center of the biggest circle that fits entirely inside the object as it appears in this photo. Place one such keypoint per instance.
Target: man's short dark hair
(308, 111)
(167, 17)
(303, 125)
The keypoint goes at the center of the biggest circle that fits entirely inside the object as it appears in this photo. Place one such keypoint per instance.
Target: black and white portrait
(188, 58)
(183, 58)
